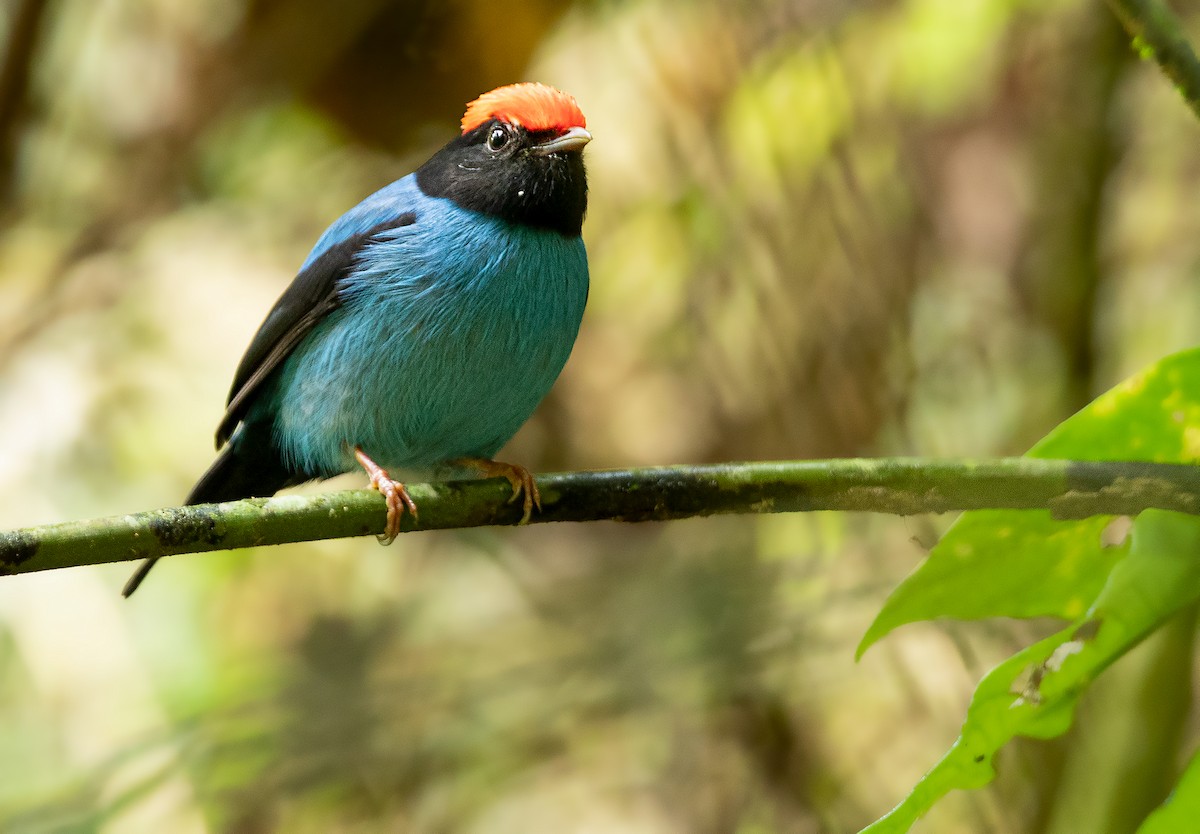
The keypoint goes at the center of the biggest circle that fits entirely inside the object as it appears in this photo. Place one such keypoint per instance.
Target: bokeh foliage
(1115, 581)
(817, 228)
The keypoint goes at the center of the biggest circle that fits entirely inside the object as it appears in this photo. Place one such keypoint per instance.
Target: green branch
(903, 486)
(1158, 34)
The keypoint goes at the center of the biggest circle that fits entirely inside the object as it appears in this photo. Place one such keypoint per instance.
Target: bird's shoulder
(387, 204)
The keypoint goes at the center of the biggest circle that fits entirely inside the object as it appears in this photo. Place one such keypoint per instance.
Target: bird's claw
(394, 492)
(519, 477)
(522, 481)
(398, 500)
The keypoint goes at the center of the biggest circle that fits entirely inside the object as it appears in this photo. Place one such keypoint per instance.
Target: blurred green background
(817, 228)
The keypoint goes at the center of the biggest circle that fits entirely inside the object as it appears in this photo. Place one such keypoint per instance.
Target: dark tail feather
(248, 467)
(245, 468)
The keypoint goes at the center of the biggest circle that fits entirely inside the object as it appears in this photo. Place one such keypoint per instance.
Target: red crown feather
(530, 105)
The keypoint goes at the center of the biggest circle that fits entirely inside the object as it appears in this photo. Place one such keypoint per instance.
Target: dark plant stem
(1158, 34)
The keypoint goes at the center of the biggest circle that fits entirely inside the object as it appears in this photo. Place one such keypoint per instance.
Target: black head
(532, 178)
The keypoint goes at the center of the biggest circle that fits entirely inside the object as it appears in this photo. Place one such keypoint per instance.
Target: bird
(426, 324)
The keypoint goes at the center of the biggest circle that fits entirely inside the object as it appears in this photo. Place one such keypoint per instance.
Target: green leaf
(1034, 693)
(1182, 808)
(1024, 563)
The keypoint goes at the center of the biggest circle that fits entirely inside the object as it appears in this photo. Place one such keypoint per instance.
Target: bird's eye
(498, 138)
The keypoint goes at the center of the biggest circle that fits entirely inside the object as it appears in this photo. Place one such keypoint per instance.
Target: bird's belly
(414, 392)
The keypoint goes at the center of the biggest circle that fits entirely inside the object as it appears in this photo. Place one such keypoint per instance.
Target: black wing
(310, 297)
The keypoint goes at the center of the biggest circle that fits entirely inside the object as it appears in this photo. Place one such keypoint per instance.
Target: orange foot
(518, 476)
(397, 496)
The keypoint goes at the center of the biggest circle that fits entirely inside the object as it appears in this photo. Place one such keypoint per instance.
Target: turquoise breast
(450, 333)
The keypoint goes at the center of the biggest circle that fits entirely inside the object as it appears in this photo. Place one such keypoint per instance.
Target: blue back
(450, 333)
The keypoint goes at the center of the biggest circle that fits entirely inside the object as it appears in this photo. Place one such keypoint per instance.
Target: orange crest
(532, 106)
